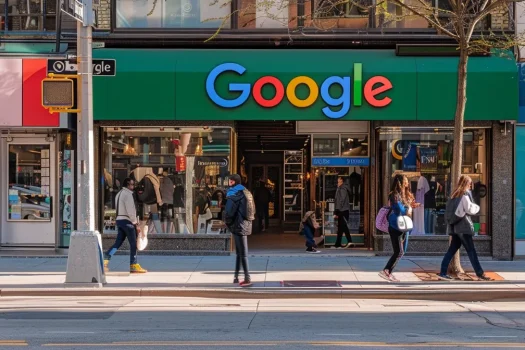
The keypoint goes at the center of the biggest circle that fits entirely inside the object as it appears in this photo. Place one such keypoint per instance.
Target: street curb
(463, 294)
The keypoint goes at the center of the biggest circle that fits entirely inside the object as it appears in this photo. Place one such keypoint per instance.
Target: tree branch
(436, 24)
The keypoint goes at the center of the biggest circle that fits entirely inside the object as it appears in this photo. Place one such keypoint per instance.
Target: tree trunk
(457, 159)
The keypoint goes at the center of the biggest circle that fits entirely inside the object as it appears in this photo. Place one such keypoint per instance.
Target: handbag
(142, 238)
(207, 215)
(404, 223)
(382, 219)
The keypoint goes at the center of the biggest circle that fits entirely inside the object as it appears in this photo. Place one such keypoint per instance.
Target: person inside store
(262, 197)
(127, 224)
(342, 213)
(238, 216)
(460, 207)
(220, 199)
(401, 202)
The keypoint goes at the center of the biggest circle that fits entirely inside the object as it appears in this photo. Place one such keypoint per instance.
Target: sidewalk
(301, 276)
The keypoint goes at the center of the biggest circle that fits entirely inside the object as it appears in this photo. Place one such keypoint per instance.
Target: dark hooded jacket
(235, 213)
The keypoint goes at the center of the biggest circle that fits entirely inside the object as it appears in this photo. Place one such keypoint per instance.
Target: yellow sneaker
(136, 268)
(106, 265)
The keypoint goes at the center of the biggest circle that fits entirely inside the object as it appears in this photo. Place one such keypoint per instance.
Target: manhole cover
(314, 284)
(431, 276)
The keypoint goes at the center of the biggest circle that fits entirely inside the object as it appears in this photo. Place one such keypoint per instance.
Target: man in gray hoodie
(342, 212)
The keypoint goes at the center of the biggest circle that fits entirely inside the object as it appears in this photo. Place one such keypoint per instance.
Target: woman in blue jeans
(458, 211)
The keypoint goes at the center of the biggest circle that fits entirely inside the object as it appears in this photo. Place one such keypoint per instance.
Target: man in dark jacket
(342, 212)
(235, 217)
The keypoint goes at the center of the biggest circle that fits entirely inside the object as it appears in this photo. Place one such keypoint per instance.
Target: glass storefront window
(354, 145)
(190, 168)
(29, 183)
(142, 14)
(425, 157)
(326, 145)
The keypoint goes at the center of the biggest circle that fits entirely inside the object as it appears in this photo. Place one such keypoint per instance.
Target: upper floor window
(173, 14)
(286, 14)
(28, 15)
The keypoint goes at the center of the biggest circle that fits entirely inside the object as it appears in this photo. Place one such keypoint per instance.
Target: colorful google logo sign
(337, 107)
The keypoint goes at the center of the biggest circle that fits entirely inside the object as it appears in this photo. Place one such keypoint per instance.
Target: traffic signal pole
(86, 147)
(85, 258)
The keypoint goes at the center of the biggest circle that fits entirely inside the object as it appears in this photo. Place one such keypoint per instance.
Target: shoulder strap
(118, 204)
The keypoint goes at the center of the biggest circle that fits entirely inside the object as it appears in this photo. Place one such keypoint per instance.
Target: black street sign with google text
(100, 67)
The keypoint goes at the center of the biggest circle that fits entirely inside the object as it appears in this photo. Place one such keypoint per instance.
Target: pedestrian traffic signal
(59, 93)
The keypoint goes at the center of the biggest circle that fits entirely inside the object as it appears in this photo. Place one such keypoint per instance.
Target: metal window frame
(42, 16)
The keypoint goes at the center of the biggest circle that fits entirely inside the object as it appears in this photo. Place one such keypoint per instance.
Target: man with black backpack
(238, 216)
(127, 225)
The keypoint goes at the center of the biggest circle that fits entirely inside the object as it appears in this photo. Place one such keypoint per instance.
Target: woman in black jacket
(458, 211)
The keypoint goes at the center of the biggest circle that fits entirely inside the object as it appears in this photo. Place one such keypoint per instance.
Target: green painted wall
(170, 85)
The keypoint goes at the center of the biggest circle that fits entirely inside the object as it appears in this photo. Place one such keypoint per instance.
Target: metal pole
(85, 259)
(86, 185)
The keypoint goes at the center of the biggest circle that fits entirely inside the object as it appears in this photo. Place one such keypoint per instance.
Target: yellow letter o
(312, 97)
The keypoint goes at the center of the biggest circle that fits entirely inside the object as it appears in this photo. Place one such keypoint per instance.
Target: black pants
(468, 243)
(398, 245)
(342, 226)
(263, 212)
(241, 249)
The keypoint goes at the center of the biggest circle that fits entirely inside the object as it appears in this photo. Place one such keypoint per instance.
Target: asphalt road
(183, 323)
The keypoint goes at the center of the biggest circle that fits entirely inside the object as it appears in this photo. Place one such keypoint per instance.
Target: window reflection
(29, 182)
(173, 14)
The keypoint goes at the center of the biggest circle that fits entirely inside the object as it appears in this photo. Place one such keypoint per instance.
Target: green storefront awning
(171, 85)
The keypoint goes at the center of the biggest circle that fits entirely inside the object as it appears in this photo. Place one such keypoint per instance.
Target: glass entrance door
(28, 187)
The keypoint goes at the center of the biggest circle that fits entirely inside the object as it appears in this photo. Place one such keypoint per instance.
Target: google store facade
(293, 121)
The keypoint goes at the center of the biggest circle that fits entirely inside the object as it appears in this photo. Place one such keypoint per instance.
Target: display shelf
(294, 189)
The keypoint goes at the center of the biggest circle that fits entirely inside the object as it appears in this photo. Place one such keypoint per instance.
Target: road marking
(339, 335)
(69, 332)
(280, 343)
(494, 336)
(13, 343)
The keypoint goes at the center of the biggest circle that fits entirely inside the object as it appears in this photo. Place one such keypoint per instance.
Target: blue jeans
(125, 230)
(468, 243)
(309, 236)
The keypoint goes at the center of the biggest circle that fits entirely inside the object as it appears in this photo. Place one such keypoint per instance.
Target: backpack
(250, 205)
(382, 219)
(145, 191)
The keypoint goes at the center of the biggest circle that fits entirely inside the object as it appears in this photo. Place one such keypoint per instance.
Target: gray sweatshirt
(342, 199)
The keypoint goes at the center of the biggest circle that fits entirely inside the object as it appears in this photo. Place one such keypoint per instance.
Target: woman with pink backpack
(398, 216)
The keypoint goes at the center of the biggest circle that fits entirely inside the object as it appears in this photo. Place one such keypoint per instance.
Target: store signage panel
(353, 90)
(340, 161)
(101, 67)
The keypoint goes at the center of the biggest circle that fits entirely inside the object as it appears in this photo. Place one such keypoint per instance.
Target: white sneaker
(313, 251)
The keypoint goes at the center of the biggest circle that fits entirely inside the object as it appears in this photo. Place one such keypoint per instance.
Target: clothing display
(430, 196)
(418, 216)
(166, 190)
(409, 156)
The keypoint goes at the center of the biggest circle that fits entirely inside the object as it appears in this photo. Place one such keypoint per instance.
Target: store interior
(182, 179)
